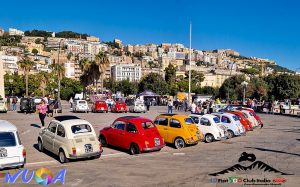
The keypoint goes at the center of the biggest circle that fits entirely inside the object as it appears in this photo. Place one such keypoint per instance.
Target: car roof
(133, 118)
(7, 126)
(65, 117)
(174, 115)
(209, 116)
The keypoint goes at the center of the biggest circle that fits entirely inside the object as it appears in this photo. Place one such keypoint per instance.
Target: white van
(210, 126)
(12, 152)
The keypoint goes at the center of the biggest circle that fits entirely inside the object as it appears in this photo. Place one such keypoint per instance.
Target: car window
(119, 125)
(251, 114)
(52, 127)
(19, 140)
(131, 128)
(245, 115)
(236, 118)
(60, 131)
(196, 119)
(7, 139)
(161, 121)
(225, 119)
(189, 121)
(205, 122)
(148, 125)
(175, 123)
(81, 102)
(82, 128)
(216, 120)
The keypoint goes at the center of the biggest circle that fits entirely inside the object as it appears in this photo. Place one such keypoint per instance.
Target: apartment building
(9, 63)
(14, 32)
(120, 72)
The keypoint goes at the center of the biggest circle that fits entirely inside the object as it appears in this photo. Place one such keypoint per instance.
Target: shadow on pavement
(35, 125)
(271, 150)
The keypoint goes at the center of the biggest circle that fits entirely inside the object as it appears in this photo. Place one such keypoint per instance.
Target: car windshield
(236, 118)
(82, 128)
(7, 139)
(189, 121)
(245, 115)
(81, 102)
(216, 120)
(148, 125)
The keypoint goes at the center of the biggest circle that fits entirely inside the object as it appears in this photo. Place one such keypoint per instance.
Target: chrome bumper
(153, 148)
(85, 155)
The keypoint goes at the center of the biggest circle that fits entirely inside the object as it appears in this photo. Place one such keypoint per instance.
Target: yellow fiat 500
(178, 130)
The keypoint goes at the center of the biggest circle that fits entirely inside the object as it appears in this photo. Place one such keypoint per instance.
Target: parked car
(233, 124)
(80, 106)
(179, 130)
(119, 106)
(3, 107)
(251, 118)
(258, 119)
(243, 119)
(12, 152)
(138, 106)
(210, 126)
(27, 105)
(99, 106)
(70, 137)
(133, 133)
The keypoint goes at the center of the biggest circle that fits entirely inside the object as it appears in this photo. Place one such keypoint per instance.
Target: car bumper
(12, 164)
(86, 155)
(153, 148)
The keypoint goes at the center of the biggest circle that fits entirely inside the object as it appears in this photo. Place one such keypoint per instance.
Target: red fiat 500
(244, 121)
(119, 106)
(253, 113)
(133, 133)
(99, 106)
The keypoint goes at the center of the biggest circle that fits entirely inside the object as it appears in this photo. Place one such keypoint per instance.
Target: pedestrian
(8, 103)
(185, 105)
(170, 106)
(71, 103)
(270, 106)
(42, 111)
(55, 107)
(14, 104)
(148, 103)
(193, 109)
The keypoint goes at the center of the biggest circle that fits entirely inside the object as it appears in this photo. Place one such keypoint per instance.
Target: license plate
(156, 141)
(3, 152)
(88, 148)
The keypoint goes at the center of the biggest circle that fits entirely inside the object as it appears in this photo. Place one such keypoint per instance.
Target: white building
(9, 63)
(14, 32)
(70, 70)
(120, 72)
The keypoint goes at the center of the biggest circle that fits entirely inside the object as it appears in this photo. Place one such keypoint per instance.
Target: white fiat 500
(80, 106)
(210, 126)
(233, 124)
(70, 137)
(251, 118)
(12, 152)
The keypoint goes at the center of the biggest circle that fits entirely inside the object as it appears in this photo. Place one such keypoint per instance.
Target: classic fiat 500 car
(12, 152)
(233, 124)
(133, 133)
(251, 118)
(3, 106)
(119, 106)
(178, 129)
(80, 106)
(258, 119)
(244, 121)
(210, 126)
(137, 106)
(99, 106)
(70, 137)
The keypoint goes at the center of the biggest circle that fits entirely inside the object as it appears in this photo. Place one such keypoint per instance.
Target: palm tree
(44, 77)
(26, 64)
(59, 71)
(103, 62)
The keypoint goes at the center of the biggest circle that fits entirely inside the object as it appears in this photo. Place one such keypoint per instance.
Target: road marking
(179, 154)
(42, 163)
(113, 154)
(25, 132)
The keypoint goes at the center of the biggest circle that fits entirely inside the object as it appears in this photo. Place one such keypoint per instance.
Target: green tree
(35, 51)
(170, 73)
(250, 71)
(26, 65)
(38, 41)
(154, 82)
(103, 62)
(232, 85)
(59, 71)
(127, 87)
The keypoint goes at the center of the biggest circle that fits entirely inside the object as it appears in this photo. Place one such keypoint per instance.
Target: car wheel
(40, 146)
(134, 149)
(62, 157)
(179, 143)
(230, 134)
(106, 111)
(96, 157)
(209, 138)
(103, 141)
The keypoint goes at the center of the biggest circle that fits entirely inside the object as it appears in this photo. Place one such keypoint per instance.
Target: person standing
(193, 109)
(148, 103)
(8, 103)
(170, 106)
(55, 107)
(71, 103)
(14, 104)
(42, 111)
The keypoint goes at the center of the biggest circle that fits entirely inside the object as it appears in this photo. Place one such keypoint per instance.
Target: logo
(42, 176)
(259, 165)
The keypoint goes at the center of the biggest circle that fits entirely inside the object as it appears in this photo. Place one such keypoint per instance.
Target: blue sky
(261, 28)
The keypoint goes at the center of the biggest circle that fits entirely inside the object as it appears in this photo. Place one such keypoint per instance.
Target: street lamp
(58, 94)
(244, 84)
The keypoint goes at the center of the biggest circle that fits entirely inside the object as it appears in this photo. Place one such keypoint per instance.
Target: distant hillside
(280, 68)
(62, 34)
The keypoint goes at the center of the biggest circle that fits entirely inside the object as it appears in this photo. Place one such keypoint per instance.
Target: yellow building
(214, 80)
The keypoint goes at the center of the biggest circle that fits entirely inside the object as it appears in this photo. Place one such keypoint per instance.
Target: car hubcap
(208, 138)
(40, 145)
(179, 143)
(134, 150)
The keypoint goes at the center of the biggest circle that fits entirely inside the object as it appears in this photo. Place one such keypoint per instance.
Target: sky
(261, 28)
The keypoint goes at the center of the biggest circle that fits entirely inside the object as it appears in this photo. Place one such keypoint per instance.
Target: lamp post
(58, 94)
(244, 84)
